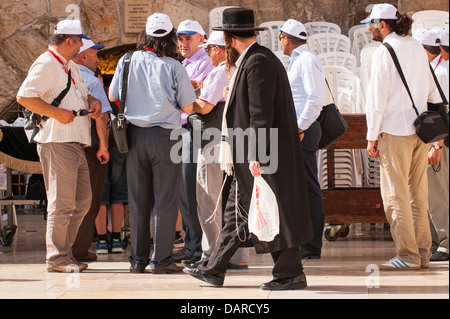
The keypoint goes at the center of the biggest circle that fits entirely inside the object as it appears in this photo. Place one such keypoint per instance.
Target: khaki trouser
(438, 201)
(404, 189)
(66, 177)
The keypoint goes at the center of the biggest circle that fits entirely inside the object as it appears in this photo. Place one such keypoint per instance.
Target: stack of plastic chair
(283, 58)
(361, 38)
(348, 164)
(428, 19)
(366, 61)
(328, 42)
(344, 59)
(321, 27)
(269, 38)
(215, 17)
(351, 31)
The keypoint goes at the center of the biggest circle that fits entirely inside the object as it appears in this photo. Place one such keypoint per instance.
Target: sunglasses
(374, 23)
(82, 112)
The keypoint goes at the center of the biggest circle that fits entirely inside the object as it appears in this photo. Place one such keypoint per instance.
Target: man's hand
(95, 107)
(372, 148)
(434, 155)
(255, 169)
(64, 116)
(103, 155)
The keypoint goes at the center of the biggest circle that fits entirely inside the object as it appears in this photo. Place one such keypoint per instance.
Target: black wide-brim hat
(238, 20)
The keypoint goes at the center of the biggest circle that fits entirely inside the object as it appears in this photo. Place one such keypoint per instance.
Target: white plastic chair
(328, 42)
(352, 30)
(343, 85)
(283, 58)
(427, 19)
(269, 38)
(215, 17)
(344, 59)
(321, 27)
(361, 37)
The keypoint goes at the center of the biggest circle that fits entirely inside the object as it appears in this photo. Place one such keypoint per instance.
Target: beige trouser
(66, 177)
(404, 189)
(438, 201)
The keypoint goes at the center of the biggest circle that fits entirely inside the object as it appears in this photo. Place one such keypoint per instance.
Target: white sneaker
(397, 264)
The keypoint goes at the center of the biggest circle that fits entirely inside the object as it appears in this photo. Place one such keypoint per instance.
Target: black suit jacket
(261, 98)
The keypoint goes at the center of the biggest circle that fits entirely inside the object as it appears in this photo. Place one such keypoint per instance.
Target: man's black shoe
(306, 254)
(439, 256)
(189, 261)
(295, 283)
(215, 280)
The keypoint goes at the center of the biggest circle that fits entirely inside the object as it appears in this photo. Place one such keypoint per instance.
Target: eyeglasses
(374, 23)
(214, 46)
(82, 112)
(285, 37)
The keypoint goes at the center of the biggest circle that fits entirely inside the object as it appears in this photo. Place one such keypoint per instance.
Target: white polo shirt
(45, 80)
(389, 107)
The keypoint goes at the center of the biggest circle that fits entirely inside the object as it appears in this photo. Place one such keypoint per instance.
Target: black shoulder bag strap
(399, 69)
(57, 101)
(123, 97)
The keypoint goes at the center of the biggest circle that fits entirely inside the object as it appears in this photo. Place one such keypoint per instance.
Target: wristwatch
(436, 146)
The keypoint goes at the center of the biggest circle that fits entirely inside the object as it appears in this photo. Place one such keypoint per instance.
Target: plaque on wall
(136, 14)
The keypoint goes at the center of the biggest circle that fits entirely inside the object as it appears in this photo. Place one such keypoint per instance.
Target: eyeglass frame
(207, 48)
(284, 37)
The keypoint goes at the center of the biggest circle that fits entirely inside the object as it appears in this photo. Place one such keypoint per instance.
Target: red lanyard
(59, 60)
(440, 59)
(151, 50)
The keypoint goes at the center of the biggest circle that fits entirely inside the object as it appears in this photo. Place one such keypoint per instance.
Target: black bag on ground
(332, 123)
(118, 124)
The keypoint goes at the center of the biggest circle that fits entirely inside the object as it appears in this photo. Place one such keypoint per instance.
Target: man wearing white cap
(190, 35)
(158, 88)
(209, 190)
(61, 139)
(307, 80)
(391, 135)
(438, 157)
(97, 154)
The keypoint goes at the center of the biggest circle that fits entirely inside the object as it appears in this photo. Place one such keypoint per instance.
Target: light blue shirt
(307, 80)
(95, 86)
(157, 88)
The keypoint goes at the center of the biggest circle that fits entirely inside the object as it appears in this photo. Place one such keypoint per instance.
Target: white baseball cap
(383, 11)
(72, 27)
(426, 37)
(89, 44)
(294, 28)
(215, 38)
(442, 35)
(190, 27)
(158, 25)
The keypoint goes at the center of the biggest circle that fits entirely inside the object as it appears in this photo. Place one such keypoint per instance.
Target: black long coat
(262, 98)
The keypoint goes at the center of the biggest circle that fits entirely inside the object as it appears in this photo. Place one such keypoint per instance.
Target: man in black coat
(260, 98)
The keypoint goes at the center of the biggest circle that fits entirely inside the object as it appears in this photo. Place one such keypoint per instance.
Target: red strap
(151, 50)
(440, 59)
(60, 61)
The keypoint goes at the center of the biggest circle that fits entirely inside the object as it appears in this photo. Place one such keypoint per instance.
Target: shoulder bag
(332, 123)
(34, 121)
(430, 125)
(118, 124)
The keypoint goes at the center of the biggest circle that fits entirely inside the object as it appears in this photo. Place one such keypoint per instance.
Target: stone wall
(26, 24)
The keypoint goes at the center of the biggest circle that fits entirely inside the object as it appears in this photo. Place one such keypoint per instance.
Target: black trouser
(287, 262)
(310, 145)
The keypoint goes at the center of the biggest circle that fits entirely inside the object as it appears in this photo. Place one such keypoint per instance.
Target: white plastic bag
(263, 216)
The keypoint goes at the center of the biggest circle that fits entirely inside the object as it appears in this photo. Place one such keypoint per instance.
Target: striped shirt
(45, 80)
